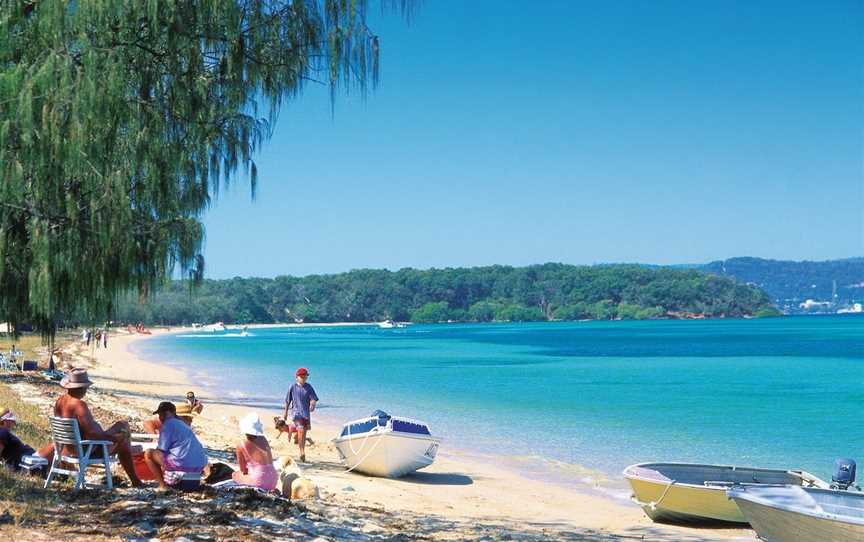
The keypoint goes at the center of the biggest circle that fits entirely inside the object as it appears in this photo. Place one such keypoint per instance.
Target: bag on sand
(219, 472)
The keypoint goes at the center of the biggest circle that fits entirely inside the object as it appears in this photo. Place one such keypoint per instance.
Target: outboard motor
(382, 416)
(844, 474)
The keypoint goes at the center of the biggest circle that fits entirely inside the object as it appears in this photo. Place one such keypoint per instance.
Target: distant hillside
(790, 283)
(479, 294)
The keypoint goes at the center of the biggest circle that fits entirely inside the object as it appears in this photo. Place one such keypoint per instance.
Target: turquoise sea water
(784, 392)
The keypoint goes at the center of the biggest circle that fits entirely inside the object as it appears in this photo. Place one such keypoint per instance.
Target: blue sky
(579, 132)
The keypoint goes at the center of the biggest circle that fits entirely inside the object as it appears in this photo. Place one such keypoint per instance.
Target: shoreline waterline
(459, 488)
(546, 470)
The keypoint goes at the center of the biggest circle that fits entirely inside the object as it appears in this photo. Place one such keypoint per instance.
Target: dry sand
(457, 488)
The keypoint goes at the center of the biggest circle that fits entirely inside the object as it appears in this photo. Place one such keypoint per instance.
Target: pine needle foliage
(120, 120)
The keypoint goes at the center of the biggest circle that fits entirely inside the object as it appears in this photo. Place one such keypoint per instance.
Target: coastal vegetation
(119, 121)
(480, 294)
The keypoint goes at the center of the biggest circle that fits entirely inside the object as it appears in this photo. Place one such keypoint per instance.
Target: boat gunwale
(400, 418)
(370, 434)
(736, 493)
(632, 476)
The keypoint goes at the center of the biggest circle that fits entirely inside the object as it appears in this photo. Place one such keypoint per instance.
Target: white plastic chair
(64, 432)
(7, 365)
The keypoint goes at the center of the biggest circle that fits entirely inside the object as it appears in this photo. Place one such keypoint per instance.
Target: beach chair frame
(7, 364)
(65, 432)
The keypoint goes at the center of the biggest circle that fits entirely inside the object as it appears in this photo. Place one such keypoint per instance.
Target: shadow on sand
(437, 479)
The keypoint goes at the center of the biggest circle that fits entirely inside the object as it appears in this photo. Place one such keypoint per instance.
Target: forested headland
(478, 294)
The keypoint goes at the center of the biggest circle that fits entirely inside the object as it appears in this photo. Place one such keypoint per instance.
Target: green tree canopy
(119, 121)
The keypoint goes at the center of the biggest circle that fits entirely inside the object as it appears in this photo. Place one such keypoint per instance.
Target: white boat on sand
(387, 446)
(801, 514)
(693, 493)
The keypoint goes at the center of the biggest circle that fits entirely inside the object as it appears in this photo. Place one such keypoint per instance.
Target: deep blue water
(785, 392)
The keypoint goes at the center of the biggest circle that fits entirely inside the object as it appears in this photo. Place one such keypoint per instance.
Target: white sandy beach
(459, 486)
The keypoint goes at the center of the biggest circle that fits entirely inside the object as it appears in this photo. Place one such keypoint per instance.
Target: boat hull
(387, 454)
(685, 503)
(774, 525)
(694, 493)
(799, 515)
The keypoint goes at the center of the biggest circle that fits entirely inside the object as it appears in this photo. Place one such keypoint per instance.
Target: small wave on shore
(213, 335)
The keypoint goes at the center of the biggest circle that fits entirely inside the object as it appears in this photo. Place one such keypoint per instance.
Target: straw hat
(251, 425)
(76, 378)
(185, 409)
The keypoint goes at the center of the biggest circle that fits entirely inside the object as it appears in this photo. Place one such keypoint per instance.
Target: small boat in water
(694, 493)
(213, 328)
(801, 514)
(387, 446)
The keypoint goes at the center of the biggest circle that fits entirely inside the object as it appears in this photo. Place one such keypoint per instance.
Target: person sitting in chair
(72, 405)
(178, 451)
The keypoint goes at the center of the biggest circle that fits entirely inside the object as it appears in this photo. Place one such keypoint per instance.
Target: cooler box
(30, 366)
(141, 468)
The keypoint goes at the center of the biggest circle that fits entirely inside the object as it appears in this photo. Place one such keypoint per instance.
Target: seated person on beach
(71, 405)
(196, 405)
(254, 456)
(11, 447)
(178, 451)
(183, 411)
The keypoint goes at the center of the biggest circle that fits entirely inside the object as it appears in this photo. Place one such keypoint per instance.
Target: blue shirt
(183, 450)
(298, 399)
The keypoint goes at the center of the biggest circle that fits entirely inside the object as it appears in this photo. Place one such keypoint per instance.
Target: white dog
(294, 485)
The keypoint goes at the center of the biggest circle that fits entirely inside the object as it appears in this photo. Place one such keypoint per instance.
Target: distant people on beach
(300, 402)
(11, 447)
(72, 405)
(105, 338)
(254, 456)
(178, 451)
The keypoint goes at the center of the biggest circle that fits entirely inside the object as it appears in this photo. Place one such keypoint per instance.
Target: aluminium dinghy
(801, 514)
(387, 446)
(694, 493)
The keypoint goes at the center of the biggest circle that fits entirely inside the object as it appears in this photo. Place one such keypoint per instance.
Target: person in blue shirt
(300, 401)
(178, 450)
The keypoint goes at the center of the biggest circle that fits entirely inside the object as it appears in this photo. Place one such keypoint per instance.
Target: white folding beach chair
(7, 365)
(64, 432)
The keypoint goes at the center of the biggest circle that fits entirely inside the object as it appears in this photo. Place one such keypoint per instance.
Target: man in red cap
(300, 401)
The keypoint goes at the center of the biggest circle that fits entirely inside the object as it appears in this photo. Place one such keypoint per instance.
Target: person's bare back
(72, 407)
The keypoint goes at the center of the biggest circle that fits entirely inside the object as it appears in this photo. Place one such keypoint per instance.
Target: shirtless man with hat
(72, 405)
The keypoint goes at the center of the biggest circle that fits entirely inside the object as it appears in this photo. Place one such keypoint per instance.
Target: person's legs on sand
(301, 441)
(155, 459)
(123, 449)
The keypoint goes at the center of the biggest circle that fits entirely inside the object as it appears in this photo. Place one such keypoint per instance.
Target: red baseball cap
(302, 372)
